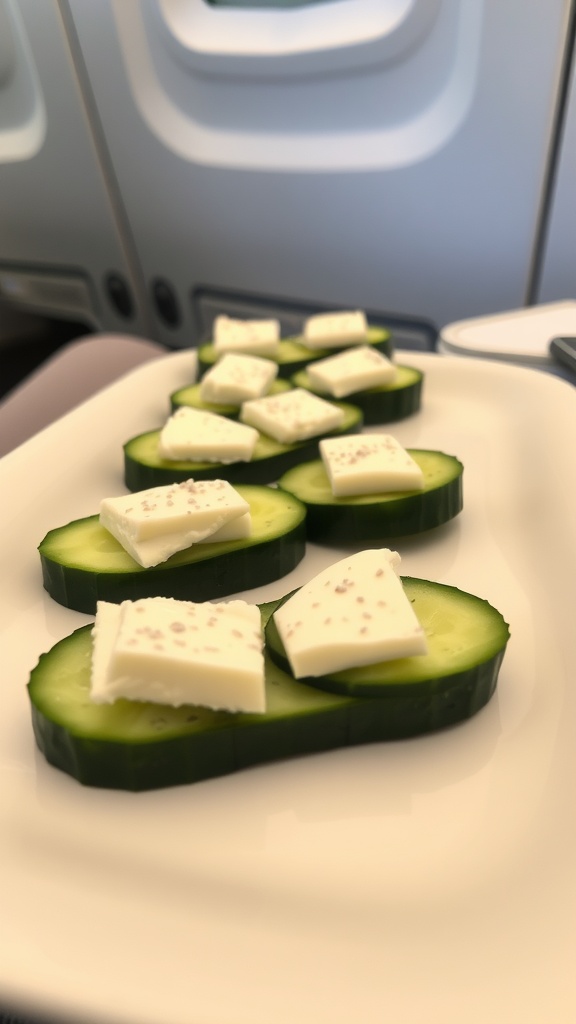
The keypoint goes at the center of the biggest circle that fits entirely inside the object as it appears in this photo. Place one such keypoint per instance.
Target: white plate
(424, 882)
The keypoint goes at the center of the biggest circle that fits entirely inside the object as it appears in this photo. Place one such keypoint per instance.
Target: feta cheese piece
(353, 613)
(195, 436)
(353, 370)
(258, 337)
(334, 330)
(369, 464)
(176, 652)
(235, 378)
(151, 525)
(292, 416)
(235, 529)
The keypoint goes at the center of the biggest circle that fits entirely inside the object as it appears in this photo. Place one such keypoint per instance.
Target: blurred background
(165, 160)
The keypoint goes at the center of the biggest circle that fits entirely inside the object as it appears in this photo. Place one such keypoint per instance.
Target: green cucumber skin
(211, 578)
(341, 522)
(139, 476)
(459, 694)
(192, 751)
(214, 578)
(398, 718)
(299, 358)
(466, 678)
(379, 405)
(318, 722)
(182, 760)
(136, 767)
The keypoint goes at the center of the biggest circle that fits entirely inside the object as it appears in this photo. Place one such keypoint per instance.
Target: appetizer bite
(370, 488)
(198, 540)
(234, 379)
(358, 628)
(147, 699)
(382, 389)
(205, 445)
(322, 335)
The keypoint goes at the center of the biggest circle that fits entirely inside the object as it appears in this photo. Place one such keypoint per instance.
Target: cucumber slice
(82, 563)
(293, 355)
(383, 404)
(139, 746)
(144, 468)
(466, 637)
(369, 517)
(190, 396)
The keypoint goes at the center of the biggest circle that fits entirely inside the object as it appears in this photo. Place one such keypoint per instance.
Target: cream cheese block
(151, 525)
(334, 330)
(354, 613)
(369, 464)
(237, 377)
(196, 436)
(354, 370)
(177, 652)
(292, 416)
(258, 337)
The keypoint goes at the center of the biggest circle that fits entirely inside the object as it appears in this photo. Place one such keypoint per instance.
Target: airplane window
(291, 37)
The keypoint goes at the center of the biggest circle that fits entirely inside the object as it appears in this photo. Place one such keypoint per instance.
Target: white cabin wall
(60, 235)
(400, 167)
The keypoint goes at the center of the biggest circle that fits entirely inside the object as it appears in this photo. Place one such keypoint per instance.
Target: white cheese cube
(258, 337)
(334, 330)
(353, 370)
(177, 652)
(195, 436)
(292, 416)
(236, 378)
(353, 613)
(151, 525)
(369, 464)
